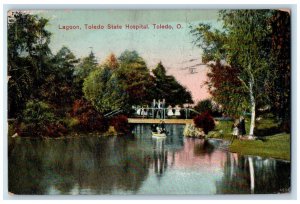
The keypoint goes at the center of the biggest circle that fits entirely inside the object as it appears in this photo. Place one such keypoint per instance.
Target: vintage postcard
(151, 102)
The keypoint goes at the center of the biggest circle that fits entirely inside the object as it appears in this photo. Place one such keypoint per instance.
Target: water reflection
(160, 156)
(99, 165)
(139, 165)
(244, 175)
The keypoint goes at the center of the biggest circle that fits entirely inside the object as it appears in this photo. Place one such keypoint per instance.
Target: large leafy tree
(244, 43)
(226, 89)
(279, 86)
(58, 85)
(168, 88)
(248, 32)
(119, 83)
(102, 90)
(135, 78)
(28, 58)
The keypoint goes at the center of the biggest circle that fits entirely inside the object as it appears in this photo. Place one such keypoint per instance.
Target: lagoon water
(91, 165)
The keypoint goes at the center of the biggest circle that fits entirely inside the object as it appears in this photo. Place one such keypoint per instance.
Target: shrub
(88, 117)
(55, 130)
(37, 117)
(37, 112)
(204, 106)
(71, 122)
(121, 124)
(205, 121)
(208, 106)
(39, 120)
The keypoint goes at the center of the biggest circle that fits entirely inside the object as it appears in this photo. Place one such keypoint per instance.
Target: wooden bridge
(152, 121)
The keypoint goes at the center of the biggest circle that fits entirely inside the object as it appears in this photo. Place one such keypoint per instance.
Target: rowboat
(159, 135)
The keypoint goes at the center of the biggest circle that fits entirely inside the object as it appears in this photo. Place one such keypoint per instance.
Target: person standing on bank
(235, 129)
(241, 126)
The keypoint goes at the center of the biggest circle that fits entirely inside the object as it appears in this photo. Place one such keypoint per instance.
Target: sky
(173, 47)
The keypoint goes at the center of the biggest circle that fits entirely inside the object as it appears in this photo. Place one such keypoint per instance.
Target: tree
(86, 65)
(204, 121)
(39, 120)
(28, 58)
(226, 89)
(132, 57)
(279, 86)
(89, 119)
(243, 45)
(119, 84)
(84, 68)
(248, 30)
(102, 90)
(204, 106)
(104, 96)
(135, 79)
(167, 87)
(58, 84)
(112, 62)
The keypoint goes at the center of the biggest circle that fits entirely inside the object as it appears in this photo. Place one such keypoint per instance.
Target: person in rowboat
(153, 127)
(162, 126)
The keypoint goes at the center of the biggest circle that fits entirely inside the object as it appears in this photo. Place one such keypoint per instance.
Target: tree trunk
(252, 103)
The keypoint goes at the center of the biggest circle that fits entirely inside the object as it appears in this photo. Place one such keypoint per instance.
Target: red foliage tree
(204, 121)
(55, 130)
(226, 89)
(89, 118)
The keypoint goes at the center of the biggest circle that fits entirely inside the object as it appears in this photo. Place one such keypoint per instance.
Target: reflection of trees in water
(86, 165)
(160, 156)
(102, 165)
(25, 166)
(203, 147)
(269, 175)
(274, 176)
(175, 136)
(105, 165)
(158, 153)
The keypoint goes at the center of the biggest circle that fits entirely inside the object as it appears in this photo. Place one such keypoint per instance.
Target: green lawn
(276, 146)
(270, 143)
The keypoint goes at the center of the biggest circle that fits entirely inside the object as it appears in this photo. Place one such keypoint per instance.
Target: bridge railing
(112, 113)
(163, 113)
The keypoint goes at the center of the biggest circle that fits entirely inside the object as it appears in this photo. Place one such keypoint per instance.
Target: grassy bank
(276, 146)
(270, 142)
